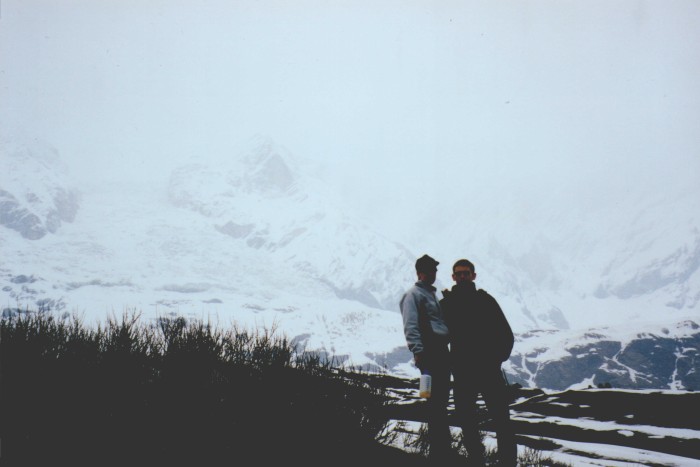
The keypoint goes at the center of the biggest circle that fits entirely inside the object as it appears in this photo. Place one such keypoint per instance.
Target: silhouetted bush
(172, 393)
(175, 393)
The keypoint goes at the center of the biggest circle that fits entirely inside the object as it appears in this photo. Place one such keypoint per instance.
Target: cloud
(409, 103)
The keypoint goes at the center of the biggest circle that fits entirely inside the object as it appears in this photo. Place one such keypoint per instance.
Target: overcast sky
(406, 100)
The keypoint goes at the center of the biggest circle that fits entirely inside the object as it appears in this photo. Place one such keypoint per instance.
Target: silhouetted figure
(426, 336)
(480, 340)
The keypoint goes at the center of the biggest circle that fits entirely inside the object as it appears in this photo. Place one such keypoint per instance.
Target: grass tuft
(174, 393)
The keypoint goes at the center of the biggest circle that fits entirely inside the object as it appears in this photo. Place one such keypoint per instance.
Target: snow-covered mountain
(633, 356)
(33, 198)
(253, 242)
(264, 204)
(636, 259)
(256, 238)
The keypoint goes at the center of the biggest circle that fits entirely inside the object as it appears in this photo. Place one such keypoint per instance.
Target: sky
(410, 104)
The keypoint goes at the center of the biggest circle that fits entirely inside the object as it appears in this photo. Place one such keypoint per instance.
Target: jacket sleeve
(507, 338)
(411, 327)
(445, 307)
(503, 338)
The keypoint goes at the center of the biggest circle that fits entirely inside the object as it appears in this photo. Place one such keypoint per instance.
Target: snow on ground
(568, 452)
(606, 455)
(602, 426)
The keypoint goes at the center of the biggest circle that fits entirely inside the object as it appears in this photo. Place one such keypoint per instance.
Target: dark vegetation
(172, 393)
(177, 393)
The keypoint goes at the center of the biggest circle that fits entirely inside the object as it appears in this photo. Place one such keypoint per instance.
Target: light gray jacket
(421, 299)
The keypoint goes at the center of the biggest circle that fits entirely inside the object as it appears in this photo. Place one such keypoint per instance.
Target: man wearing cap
(427, 338)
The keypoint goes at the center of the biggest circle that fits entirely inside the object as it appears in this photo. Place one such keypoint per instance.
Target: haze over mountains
(259, 238)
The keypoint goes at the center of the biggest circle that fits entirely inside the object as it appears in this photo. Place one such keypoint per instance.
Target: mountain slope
(251, 245)
(256, 238)
(648, 355)
(560, 266)
(34, 198)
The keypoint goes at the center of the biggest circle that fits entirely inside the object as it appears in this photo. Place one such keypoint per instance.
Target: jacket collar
(426, 286)
(469, 287)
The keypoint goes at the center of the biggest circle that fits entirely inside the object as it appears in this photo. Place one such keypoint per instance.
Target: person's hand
(418, 359)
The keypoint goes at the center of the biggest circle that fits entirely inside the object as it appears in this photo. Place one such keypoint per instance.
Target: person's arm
(418, 359)
(445, 307)
(506, 337)
(411, 327)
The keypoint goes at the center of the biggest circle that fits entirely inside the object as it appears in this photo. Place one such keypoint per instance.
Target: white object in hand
(425, 386)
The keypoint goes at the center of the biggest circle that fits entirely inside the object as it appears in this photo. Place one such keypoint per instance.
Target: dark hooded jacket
(480, 336)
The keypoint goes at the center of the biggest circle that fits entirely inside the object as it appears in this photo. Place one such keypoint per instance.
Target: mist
(415, 109)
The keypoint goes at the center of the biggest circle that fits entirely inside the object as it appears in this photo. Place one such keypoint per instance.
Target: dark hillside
(631, 418)
(177, 393)
(656, 421)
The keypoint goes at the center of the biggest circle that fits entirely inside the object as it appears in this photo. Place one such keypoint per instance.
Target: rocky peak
(40, 208)
(267, 168)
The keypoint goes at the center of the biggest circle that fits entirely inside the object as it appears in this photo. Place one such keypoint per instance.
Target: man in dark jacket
(480, 340)
(427, 338)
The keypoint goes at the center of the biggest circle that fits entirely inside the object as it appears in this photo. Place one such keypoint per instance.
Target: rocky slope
(35, 198)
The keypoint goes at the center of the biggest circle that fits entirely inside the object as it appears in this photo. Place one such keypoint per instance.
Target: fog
(409, 105)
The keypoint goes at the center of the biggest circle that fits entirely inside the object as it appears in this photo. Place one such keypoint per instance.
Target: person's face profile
(429, 276)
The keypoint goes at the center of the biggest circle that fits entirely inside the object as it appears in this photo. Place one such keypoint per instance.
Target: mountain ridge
(256, 238)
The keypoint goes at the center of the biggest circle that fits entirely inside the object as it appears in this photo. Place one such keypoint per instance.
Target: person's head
(426, 268)
(463, 271)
